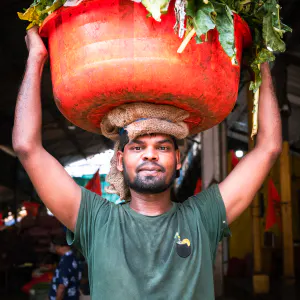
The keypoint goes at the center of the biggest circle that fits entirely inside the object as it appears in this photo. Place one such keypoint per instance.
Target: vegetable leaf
(271, 37)
(39, 10)
(225, 27)
(202, 19)
(156, 7)
(263, 56)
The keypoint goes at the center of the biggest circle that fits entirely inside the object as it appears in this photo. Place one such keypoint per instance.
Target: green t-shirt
(136, 257)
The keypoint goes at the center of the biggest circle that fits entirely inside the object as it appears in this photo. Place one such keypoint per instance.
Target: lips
(149, 172)
(150, 168)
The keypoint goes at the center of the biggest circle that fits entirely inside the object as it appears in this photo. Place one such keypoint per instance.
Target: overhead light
(239, 153)
(71, 127)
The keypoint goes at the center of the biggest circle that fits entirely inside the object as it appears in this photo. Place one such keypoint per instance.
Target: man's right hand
(35, 45)
(53, 184)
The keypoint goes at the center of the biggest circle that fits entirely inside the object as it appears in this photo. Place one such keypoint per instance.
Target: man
(66, 280)
(148, 248)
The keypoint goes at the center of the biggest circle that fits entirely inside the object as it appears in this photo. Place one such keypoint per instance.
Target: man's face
(149, 163)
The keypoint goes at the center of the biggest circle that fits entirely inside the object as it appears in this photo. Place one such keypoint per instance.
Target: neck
(151, 204)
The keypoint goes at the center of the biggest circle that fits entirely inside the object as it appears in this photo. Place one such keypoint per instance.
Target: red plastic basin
(104, 53)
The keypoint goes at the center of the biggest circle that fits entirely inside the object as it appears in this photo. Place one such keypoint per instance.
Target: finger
(33, 30)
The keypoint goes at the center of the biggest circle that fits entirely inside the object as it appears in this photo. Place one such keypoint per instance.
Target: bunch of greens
(200, 16)
(262, 16)
(39, 10)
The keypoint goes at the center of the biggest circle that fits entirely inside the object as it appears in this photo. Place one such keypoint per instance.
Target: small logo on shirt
(183, 247)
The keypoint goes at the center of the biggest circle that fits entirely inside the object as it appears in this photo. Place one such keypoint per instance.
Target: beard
(149, 184)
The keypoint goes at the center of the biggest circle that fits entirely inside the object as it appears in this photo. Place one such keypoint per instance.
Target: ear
(178, 161)
(120, 161)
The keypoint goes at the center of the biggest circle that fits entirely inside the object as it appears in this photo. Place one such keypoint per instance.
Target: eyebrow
(135, 141)
(165, 141)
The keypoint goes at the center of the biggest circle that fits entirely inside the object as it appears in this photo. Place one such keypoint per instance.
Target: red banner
(32, 208)
(198, 186)
(273, 210)
(94, 185)
(1, 220)
(234, 160)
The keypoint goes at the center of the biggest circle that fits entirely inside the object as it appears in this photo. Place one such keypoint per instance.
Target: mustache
(150, 165)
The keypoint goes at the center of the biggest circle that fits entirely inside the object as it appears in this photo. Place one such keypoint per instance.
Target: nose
(150, 154)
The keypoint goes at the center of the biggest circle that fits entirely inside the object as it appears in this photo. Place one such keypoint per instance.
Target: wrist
(34, 57)
(265, 72)
(264, 67)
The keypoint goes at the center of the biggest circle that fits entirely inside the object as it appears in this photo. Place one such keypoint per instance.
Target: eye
(137, 148)
(163, 148)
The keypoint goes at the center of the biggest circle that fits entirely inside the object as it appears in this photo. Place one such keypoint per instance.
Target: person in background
(66, 278)
(84, 283)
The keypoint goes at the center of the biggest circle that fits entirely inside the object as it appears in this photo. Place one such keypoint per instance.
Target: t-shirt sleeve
(93, 214)
(213, 215)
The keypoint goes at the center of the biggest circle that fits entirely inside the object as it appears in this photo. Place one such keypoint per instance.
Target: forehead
(154, 138)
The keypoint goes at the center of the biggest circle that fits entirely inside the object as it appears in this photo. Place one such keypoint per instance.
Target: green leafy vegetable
(271, 36)
(263, 56)
(225, 27)
(202, 18)
(39, 10)
(156, 7)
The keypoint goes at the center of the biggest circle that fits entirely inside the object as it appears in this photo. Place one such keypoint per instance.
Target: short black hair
(124, 140)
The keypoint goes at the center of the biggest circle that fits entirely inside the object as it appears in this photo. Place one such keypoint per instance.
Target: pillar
(261, 284)
(214, 169)
(286, 214)
(279, 73)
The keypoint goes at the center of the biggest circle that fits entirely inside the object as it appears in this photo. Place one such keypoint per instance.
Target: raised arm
(55, 187)
(240, 186)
